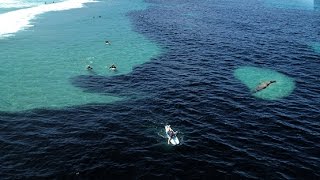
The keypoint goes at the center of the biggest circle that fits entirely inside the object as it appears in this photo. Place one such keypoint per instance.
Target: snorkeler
(113, 67)
(89, 67)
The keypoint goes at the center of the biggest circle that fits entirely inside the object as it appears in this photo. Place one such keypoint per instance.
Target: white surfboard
(174, 140)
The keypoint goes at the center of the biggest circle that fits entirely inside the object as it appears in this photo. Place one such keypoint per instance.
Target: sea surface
(192, 64)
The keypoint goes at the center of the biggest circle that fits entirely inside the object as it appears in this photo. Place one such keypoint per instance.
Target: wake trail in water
(17, 20)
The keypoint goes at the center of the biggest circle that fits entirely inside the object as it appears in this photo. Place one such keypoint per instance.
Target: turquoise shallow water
(293, 4)
(38, 63)
(252, 77)
(316, 47)
(6, 10)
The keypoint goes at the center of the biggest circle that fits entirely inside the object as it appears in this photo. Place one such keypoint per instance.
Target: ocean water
(44, 46)
(293, 4)
(190, 64)
(316, 47)
(252, 77)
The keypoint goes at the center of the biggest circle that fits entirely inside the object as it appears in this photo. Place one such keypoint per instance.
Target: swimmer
(89, 67)
(113, 67)
(263, 86)
(108, 42)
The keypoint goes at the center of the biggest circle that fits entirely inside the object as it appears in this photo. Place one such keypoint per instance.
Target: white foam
(14, 21)
(17, 4)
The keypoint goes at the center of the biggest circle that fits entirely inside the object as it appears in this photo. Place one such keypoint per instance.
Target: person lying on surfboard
(171, 133)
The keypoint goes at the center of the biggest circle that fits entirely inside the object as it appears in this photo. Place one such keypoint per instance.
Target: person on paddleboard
(171, 133)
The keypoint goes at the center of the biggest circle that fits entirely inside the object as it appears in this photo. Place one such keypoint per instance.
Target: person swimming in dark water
(263, 86)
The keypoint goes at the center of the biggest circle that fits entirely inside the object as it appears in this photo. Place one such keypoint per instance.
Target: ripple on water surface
(253, 76)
